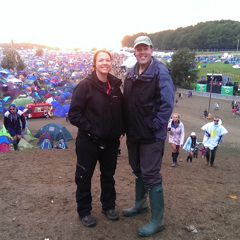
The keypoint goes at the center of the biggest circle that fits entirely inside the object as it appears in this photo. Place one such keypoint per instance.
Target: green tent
(3, 132)
(22, 101)
(24, 144)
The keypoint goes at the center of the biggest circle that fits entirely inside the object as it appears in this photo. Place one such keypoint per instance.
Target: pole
(14, 58)
(237, 45)
(210, 93)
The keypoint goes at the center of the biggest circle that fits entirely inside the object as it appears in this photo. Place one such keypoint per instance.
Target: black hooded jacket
(95, 111)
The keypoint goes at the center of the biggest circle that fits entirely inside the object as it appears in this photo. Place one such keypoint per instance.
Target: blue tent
(6, 98)
(46, 81)
(55, 103)
(2, 102)
(43, 92)
(21, 107)
(32, 78)
(57, 132)
(66, 107)
(59, 111)
(4, 139)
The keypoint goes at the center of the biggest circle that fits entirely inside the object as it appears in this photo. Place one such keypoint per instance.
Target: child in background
(202, 150)
(195, 152)
(190, 145)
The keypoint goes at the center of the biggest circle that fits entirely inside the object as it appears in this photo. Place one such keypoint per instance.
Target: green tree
(39, 52)
(12, 60)
(182, 67)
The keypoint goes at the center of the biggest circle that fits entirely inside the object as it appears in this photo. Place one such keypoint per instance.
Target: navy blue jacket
(11, 122)
(94, 111)
(149, 101)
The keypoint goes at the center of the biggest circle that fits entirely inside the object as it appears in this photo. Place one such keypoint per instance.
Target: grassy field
(220, 68)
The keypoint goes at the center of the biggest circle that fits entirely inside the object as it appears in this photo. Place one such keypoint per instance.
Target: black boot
(190, 157)
(174, 158)
(15, 145)
(212, 161)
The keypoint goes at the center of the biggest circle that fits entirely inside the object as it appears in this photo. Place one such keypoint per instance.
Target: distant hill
(219, 35)
(19, 46)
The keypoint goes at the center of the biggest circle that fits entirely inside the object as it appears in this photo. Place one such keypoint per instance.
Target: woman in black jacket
(97, 111)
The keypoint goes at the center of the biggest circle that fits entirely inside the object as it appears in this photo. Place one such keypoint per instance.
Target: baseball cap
(193, 134)
(142, 40)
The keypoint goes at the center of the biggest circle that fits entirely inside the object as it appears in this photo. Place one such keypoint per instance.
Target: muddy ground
(37, 191)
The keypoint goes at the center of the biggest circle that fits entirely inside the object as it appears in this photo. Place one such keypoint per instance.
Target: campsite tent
(56, 130)
(24, 144)
(3, 132)
(4, 144)
(4, 147)
(22, 101)
(44, 136)
(1, 104)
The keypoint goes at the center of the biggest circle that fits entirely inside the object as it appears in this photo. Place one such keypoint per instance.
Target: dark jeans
(213, 154)
(146, 161)
(88, 153)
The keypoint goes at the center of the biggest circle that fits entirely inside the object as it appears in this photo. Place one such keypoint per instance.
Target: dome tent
(57, 132)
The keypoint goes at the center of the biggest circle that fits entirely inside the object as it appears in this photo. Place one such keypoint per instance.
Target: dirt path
(37, 192)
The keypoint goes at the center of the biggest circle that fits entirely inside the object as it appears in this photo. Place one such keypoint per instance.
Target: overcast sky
(103, 23)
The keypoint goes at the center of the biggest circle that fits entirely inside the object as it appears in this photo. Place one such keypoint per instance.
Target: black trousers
(88, 153)
(213, 154)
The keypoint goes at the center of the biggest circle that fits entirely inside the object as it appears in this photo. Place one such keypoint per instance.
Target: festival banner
(227, 90)
(201, 87)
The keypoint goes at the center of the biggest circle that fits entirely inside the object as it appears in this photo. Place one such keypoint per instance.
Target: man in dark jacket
(149, 101)
(12, 119)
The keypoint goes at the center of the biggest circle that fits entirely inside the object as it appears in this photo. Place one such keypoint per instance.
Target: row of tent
(47, 134)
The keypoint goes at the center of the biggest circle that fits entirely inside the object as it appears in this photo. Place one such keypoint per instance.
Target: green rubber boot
(140, 205)
(157, 209)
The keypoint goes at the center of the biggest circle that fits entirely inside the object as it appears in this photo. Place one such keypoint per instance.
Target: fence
(207, 94)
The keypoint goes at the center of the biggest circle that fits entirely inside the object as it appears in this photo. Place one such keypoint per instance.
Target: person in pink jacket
(176, 136)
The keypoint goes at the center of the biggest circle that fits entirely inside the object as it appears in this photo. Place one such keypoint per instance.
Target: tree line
(223, 34)
(19, 46)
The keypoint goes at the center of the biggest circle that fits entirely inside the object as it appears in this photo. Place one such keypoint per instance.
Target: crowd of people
(213, 134)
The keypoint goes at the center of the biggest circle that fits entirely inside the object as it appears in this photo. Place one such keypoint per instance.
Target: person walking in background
(214, 133)
(67, 118)
(237, 109)
(149, 102)
(97, 110)
(216, 106)
(176, 103)
(190, 146)
(14, 122)
(205, 114)
(176, 136)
